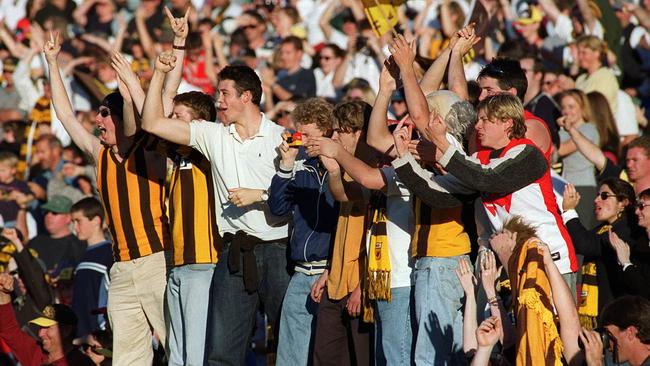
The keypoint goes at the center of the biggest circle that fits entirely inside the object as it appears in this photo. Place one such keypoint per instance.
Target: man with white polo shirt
(243, 161)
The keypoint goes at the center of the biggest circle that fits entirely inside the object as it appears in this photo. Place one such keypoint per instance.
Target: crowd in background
(372, 213)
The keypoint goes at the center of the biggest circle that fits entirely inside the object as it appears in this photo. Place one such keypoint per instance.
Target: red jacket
(26, 349)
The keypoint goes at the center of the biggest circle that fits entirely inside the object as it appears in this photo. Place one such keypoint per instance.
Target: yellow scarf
(378, 274)
(588, 307)
(538, 341)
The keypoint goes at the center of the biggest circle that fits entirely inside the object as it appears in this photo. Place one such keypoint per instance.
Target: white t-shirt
(324, 86)
(399, 226)
(626, 115)
(241, 163)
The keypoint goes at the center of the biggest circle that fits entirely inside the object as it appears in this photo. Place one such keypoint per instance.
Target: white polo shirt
(238, 163)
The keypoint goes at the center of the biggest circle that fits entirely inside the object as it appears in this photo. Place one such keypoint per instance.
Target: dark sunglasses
(104, 112)
(326, 58)
(604, 195)
(549, 82)
(283, 113)
(250, 26)
(640, 205)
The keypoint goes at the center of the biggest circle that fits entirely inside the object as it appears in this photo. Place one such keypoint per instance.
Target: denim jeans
(186, 300)
(438, 301)
(394, 327)
(297, 322)
(231, 313)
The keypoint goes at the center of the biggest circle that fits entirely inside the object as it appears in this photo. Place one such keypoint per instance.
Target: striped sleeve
(426, 186)
(519, 167)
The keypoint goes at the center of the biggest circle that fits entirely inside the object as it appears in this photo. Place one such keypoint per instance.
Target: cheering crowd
(224, 183)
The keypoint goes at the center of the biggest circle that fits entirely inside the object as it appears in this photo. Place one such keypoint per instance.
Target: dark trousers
(231, 313)
(340, 339)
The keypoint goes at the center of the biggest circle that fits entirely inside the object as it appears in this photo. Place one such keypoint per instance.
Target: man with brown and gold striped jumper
(130, 179)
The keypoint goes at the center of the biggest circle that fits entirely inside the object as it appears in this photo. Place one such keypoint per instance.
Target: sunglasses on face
(604, 195)
(250, 26)
(640, 205)
(326, 58)
(283, 113)
(104, 112)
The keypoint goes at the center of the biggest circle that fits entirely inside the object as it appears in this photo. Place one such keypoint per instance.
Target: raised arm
(173, 78)
(324, 23)
(88, 143)
(153, 119)
(80, 15)
(591, 151)
(433, 76)
(143, 33)
(404, 55)
(367, 176)
(465, 275)
(379, 137)
(565, 306)
(550, 9)
(457, 80)
(125, 73)
(641, 14)
(587, 13)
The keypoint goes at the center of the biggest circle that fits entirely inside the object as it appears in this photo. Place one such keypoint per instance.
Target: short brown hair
(352, 116)
(52, 141)
(295, 41)
(505, 106)
(313, 110)
(642, 142)
(8, 158)
(201, 104)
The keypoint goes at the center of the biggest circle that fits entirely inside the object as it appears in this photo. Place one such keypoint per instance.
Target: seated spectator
(293, 80)
(58, 325)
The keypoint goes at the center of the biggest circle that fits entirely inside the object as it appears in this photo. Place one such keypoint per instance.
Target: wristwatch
(265, 195)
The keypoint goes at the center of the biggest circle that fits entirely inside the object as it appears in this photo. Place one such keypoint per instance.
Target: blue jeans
(438, 302)
(232, 310)
(394, 328)
(186, 301)
(297, 322)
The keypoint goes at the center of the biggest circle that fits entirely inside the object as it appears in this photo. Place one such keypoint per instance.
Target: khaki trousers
(136, 307)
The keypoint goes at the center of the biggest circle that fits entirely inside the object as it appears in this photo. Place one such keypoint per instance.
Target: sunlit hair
(352, 116)
(581, 98)
(314, 110)
(524, 230)
(506, 106)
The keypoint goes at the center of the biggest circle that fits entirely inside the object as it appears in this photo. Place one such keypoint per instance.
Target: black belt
(243, 243)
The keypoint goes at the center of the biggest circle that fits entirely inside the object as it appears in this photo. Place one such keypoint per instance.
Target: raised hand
(386, 80)
(403, 52)
(287, 155)
(402, 138)
(123, 69)
(489, 273)
(465, 275)
(166, 62)
(621, 248)
(489, 332)
(331, 165)
(466, 40)
(180, 26)
(52, 47)
(6, 283)
(570, 197)
(323, 146)
(423, 151)
(593, 345)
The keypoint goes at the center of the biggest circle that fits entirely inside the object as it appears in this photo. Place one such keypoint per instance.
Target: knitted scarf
(378, 272)
(588, 305)
(538, 340)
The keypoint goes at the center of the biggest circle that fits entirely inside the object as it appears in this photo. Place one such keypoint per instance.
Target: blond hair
(581, 98)
(506, 106)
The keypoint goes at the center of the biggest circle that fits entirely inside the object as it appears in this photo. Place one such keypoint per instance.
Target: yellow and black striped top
(192, 216)
(438, 232)
(133, 195)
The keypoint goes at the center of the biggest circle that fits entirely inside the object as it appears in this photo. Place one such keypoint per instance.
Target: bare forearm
(153, 109)
(64, 112)
(379, 137)
(457, 81)
(591, 151)
(339, 74)
(336, 186)
(417, 103)
(469, 323)
(280, 92)
(365, 175)
(566, 310)
(643, 16)
(433, 77)
(173, 78)
(145, 38)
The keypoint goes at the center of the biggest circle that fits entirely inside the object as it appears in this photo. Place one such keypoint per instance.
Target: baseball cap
(528, 14)
(58, 204)
(55, 314)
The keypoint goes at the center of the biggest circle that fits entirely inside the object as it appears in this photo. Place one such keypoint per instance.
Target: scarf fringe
(379, 285)
(530, 299)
